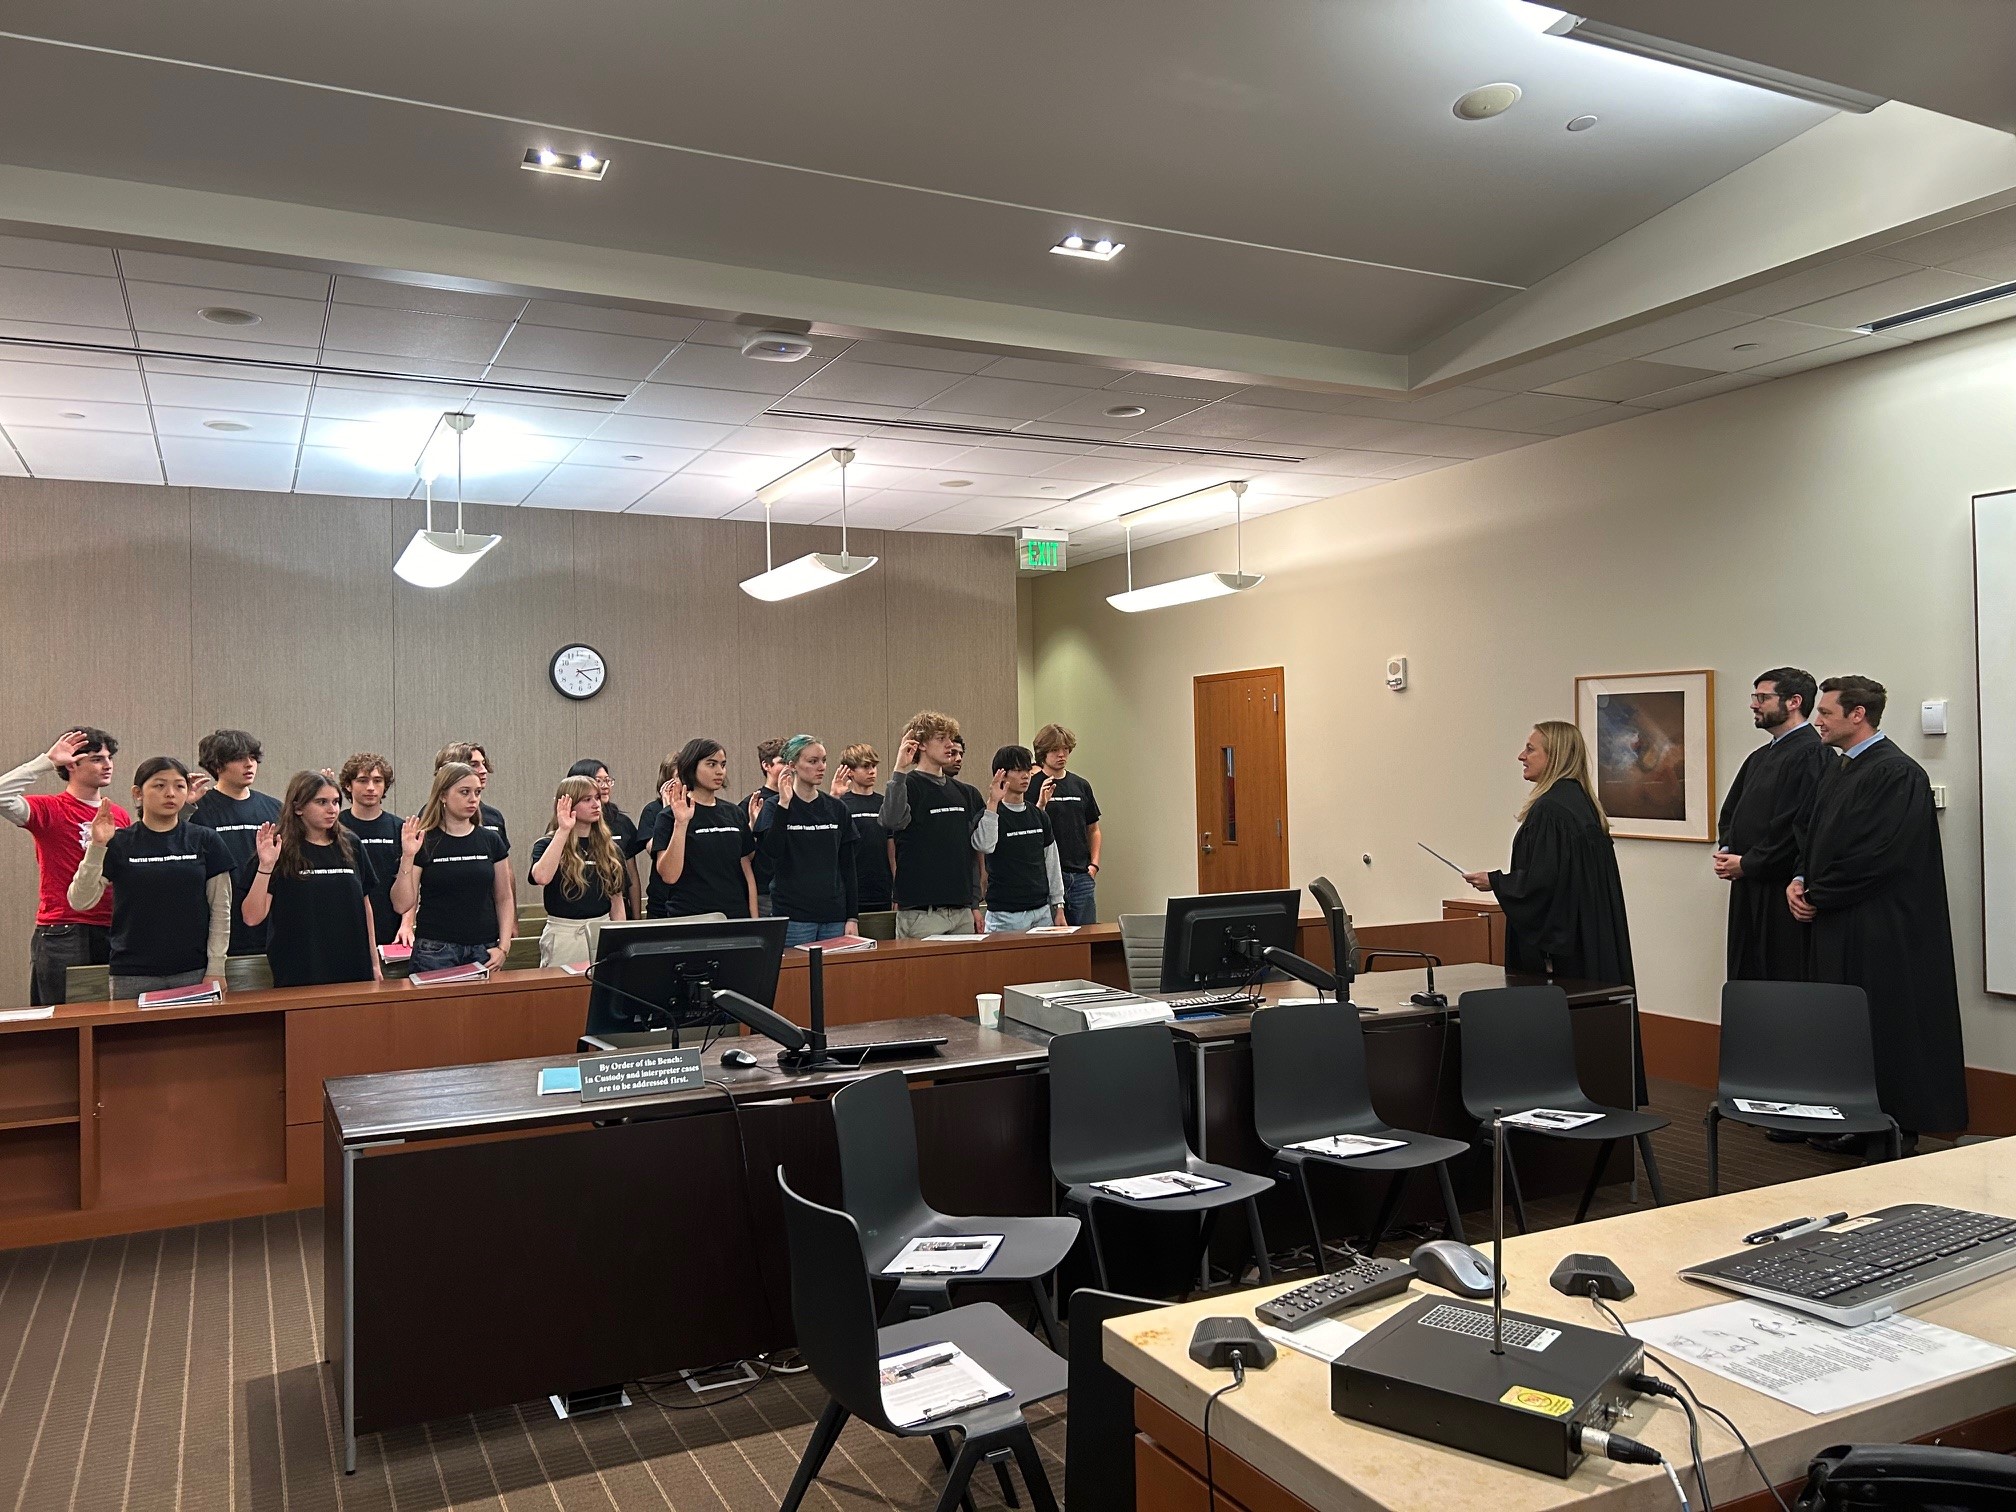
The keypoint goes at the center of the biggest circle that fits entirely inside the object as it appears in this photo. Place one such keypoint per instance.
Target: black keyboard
(1889, 1260)
(1363, 1280)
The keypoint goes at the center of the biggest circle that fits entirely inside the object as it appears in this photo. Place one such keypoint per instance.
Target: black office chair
(1519, 1053)
(881, 1190)
(1116, 1110)
(1309, 1081)
(833, 1307)
(1343, 938)
(1099, 1428)
(1908, 1478)
(1796, 1042)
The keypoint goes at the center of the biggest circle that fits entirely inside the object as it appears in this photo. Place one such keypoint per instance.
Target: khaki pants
(922, 923)
(563, 942)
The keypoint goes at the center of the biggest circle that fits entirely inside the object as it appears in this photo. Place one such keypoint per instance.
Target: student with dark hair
(1760, 847)
(770, 762)
(171, 886)
(65, 935)
(622, 828)
(701, 844)
(365, 779)
(311, 887)
(457, 874)
(809, 837)
(929, 813)
(235, 812)
(578, 864)
(860, 765)
(1074, 815)
(1025, 882)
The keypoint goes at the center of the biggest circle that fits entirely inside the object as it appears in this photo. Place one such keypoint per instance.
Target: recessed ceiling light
(1127, 411)
(633, 456)
(582, 165)
(1746, 346)
(71, 415)
(1486, 101)
(226, 425)
(1104, 249)
(225, 315)
(956, 483)
(1582, 123)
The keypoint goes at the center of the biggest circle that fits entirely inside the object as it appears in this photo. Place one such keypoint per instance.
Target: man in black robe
(1872, 883)
(1760, 849)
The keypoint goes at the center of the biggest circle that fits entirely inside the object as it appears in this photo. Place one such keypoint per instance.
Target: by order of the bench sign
(638, 1073)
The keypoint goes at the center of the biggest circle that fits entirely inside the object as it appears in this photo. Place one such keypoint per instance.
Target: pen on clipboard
(1443, 859)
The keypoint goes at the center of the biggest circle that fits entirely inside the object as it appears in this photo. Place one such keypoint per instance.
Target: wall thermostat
(1396, 673)
(1932, 717)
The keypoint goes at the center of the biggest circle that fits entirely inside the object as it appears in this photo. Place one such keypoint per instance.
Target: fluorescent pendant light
(1205, 585)
(1721, 65)
(436, 558)
(815, 570)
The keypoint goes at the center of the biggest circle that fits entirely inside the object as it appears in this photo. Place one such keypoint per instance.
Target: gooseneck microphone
(1428, 999)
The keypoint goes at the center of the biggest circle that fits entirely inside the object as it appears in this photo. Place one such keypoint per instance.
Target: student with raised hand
(458, 874)
(854, 786)
(770, 762)
(929, 813)
(491, 818)
(171, 886)
(809, 837)
(1074, 816)
(311, 887)
(65, 936)
(1025, 882)
(582, 870)
(235, 812)
(365, 779)
(701, 844)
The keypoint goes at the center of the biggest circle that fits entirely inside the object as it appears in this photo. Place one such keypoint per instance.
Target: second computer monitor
(659, 973)
(1215, 940)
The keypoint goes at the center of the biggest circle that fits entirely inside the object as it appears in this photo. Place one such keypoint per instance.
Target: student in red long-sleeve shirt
(60, 824)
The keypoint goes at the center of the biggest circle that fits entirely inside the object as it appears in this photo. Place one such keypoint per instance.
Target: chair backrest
(879, 1184)
(87, 984)
(522, 954)
(1099, 1428)
(1141, 942)
(1115, 1107)
(877, 925)
(1518, 1050)
(1308, 1072)
(1797, 1042)
(247, 973)
(833, 1304)
(1343, 938)
(1858, 1477)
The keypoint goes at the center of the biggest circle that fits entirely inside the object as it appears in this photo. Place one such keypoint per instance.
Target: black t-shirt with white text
(160, 897)
(379, 840)
(458, 902)
(934, 852)
(629, 838)
(811, 848)
(711, 881)
(871, 849)
(237, 821)
(493, 820)
(593, 902)
(315, 931)
(1017, 879)
(1072, 810)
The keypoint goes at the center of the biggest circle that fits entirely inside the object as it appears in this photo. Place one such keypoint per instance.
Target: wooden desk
(1278, 1447)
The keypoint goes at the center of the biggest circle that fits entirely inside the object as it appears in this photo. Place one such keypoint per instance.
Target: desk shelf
(32, 1117)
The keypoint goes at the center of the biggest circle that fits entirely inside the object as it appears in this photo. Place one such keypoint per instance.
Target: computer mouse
(1454, 1267)
(735, 1056)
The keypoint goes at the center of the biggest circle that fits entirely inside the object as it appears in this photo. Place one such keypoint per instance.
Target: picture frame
(1651, 740)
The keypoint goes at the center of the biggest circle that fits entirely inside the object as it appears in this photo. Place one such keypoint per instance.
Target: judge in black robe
(1875, 878)
(1759, 827)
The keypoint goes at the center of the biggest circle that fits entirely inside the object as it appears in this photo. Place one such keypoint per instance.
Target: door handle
(1207, 842)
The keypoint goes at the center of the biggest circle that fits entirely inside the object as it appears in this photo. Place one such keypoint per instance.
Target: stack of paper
(1346, 1145)
(944, 1255)
(1158, 1184)
(475, 971)
(838, 944)
(934, 1381)
(1785, 1109)
(1550, 1118)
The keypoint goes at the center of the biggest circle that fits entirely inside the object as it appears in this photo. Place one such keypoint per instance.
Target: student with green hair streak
(808, 834)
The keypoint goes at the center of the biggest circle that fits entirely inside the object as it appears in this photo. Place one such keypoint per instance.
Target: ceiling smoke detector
(777, 346)
(224, 315)
(1486, 101)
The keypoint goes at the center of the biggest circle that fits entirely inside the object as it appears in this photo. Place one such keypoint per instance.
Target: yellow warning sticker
(1543, 1402)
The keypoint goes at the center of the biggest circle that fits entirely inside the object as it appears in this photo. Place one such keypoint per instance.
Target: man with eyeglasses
(1759, 851)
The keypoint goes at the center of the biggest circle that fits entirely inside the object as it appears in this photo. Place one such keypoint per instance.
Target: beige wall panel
(952, 637)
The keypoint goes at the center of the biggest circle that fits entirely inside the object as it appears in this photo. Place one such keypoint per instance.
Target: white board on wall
(1995, 674)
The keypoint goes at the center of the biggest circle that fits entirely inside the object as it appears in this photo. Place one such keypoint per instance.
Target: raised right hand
(563, 815)
(906, 753)
(1043, 795)
(103, 825)
(679, 801)
(266, 845)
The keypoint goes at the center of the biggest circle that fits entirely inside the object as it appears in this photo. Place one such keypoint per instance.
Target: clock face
(578, 671)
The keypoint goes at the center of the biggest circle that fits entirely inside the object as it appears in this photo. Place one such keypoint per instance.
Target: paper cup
(989, 1004)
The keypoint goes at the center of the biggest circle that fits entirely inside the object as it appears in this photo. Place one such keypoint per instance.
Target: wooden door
(1242, 781)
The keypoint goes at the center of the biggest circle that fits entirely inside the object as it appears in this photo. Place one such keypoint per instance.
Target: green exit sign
(1042, 556)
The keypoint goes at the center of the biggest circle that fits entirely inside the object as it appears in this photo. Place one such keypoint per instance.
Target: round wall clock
(578, 672)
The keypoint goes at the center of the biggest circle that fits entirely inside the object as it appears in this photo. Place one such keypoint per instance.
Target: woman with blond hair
(581, 867)
(1563, 899)
(456, 872)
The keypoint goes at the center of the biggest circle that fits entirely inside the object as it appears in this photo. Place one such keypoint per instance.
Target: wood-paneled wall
(162, 613)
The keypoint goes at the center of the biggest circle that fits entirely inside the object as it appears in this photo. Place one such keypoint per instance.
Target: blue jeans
(1017, 920)
(433, 955)
(804, 932)
(1080, 907)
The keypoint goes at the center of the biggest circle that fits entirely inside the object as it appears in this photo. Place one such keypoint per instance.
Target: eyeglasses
(1757, 698)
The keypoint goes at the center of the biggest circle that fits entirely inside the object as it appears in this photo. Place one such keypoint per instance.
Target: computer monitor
(1215, 940)
(661, 973)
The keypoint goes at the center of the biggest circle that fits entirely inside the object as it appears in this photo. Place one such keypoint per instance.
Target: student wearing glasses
(809, 837)
(458, 874)
(311, 888)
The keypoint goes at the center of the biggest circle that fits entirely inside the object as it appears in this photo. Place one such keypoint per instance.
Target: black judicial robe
(1760, 820)
(1869, 851)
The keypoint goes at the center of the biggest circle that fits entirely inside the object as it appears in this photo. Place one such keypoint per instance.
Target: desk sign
(638, 1073)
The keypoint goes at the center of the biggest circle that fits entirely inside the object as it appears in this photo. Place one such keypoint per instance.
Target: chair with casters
(1518, 1049)
(833, 1309)
(1309, 1081)
(1141, 943)
(1796, 1042)
(882, 1192)
(1116, 1110)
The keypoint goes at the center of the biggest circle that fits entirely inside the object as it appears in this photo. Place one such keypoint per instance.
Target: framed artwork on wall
(1651, 739)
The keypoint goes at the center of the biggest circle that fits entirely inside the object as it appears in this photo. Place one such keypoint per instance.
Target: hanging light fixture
(818, 569)
(1204, 585)
(436, 558)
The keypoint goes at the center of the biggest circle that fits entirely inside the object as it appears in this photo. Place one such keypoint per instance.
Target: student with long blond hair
(310, 887)
(457, 873)
(1562, 896)
(581, 867)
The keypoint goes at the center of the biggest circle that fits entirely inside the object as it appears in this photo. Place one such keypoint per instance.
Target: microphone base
(1430, 999)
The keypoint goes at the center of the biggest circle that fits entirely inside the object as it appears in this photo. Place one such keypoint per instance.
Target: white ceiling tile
(630, 455)
(540, 420)
(792, 410)
(386, 294)
(1102, 467)
(1177, 387)
(1002, 396)
(1667, 331)
(697, 435)
(56, 256)
(723, 333)
(11, 465)
(1448, 440)
(170, 421)
(692, 495)
(746, 470)
(505, 486)
(100, 456)
(893, 509)
(418, 337)
(194, 463)
(808, 508)
(1752, 345)
(62, 298)
(1437, 406)
(62, 380)
(899, 354)
(543, 386)
(581, 317)
(1410, 467)
(252, 353)
(1229, 420)
(595, 353)
(1295, 490)
(1531, 412)
(1090, 409)
(800, 445)
(1542, 372)
(331, 470)
(1955, 245)
(1034, 370)
(1308, 402)
(874, 383)
(442, 396)
(214, 273)
(1827, 356)
(329, 402)
(386, 367)
(893, 450)
(1348, 464)
(172, 309)
(725, 368)
(980, 422)
(1626, 380)
(1842, 276)
(228, 395)
(1997, 265)
(975, 517)
(75, 414)
(1958, 320)
(37, 330)
(1292, 429)
(580, 492)
(1006, 461)
(1608, 414)
(1893, 296)
(1701, 388)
